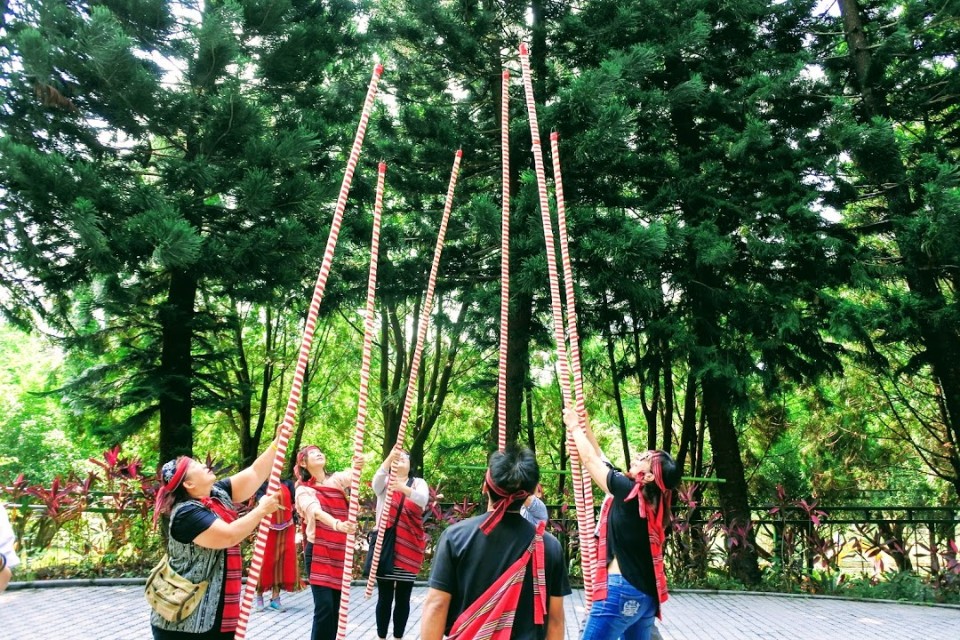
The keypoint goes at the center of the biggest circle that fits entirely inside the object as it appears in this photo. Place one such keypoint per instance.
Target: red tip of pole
(383, 167)
(506, 74)
(554, 136)
(378, 69)
(523, 48)
(459, 153)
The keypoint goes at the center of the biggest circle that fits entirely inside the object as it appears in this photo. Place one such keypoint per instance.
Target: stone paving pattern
(120, 613)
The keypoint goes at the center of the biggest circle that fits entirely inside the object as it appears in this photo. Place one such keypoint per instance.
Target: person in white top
(403, 540)
(8, 556)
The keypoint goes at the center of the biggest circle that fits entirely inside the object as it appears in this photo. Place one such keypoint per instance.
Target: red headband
(302, 454)
(507, 499)
(164, 499)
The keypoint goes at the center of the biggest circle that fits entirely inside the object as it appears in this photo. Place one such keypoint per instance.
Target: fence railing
(856, 539)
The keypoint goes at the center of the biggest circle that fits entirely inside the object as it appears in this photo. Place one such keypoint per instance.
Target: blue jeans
(626, 613)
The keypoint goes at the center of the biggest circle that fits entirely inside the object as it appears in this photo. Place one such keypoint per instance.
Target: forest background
(763, 202)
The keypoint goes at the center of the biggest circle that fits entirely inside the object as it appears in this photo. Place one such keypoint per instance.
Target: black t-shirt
(627, 536)
(193, 519)
(467, 562)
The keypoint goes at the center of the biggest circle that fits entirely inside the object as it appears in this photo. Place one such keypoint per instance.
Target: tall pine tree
(155, 151)
(696, 135)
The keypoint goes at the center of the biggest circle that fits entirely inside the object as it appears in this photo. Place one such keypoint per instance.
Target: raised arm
(383, 472)
(571, 421)
(418, 492)
(591, 457)
(245, 483)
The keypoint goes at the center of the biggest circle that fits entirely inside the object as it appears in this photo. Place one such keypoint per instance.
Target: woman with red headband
(630, 583)
(204, 542)
(321, 500)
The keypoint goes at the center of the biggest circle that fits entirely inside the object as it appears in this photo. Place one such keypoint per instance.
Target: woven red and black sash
(280, 553)
(655, 531)
(411, 540)
(491, 616)
(329, 547)
(234, 569)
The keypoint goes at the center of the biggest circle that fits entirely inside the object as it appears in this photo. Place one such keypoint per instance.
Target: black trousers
(326, 605)
(395, 593)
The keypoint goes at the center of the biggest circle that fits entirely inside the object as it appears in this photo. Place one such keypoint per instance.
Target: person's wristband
(336, 526)
(274, 445)
(3, 562)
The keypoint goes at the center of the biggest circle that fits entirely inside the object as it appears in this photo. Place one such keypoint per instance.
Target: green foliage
(37, 435)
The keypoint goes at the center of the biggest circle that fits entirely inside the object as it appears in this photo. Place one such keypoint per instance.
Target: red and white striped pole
(572, 333)
(414, 366)
(504, 260)
(585, 530)
(253, 575)
(369, 329)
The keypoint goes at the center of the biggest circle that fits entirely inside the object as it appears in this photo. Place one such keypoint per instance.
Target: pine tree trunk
(176, 367)
(734, 498)
(668, 395)
(518, 359)
(615, 378)
(688, 434)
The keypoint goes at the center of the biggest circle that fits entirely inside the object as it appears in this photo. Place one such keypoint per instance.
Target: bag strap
(213, 565)
(403, 497)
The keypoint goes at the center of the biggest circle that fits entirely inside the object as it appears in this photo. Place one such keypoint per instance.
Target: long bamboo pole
(504, 260)
(574, 336)
(414, 367)
(253, 575)
(369, 331)
(585, 531)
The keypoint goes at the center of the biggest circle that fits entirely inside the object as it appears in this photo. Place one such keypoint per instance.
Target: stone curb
(76, 582)
(119, 582)
(126, 582)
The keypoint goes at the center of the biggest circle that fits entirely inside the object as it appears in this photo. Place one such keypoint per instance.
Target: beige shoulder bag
(171, 595)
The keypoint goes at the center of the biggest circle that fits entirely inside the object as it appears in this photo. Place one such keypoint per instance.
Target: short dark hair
(514, 469)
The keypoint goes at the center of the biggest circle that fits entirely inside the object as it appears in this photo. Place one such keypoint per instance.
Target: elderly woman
(630, 583)
(321, 500)
(204, 542)
(403, 540)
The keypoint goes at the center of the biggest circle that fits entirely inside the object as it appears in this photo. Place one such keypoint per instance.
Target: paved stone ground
(120, 613)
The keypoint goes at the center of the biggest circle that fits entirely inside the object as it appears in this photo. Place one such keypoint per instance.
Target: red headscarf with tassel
(654, 517)
(164, 499)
